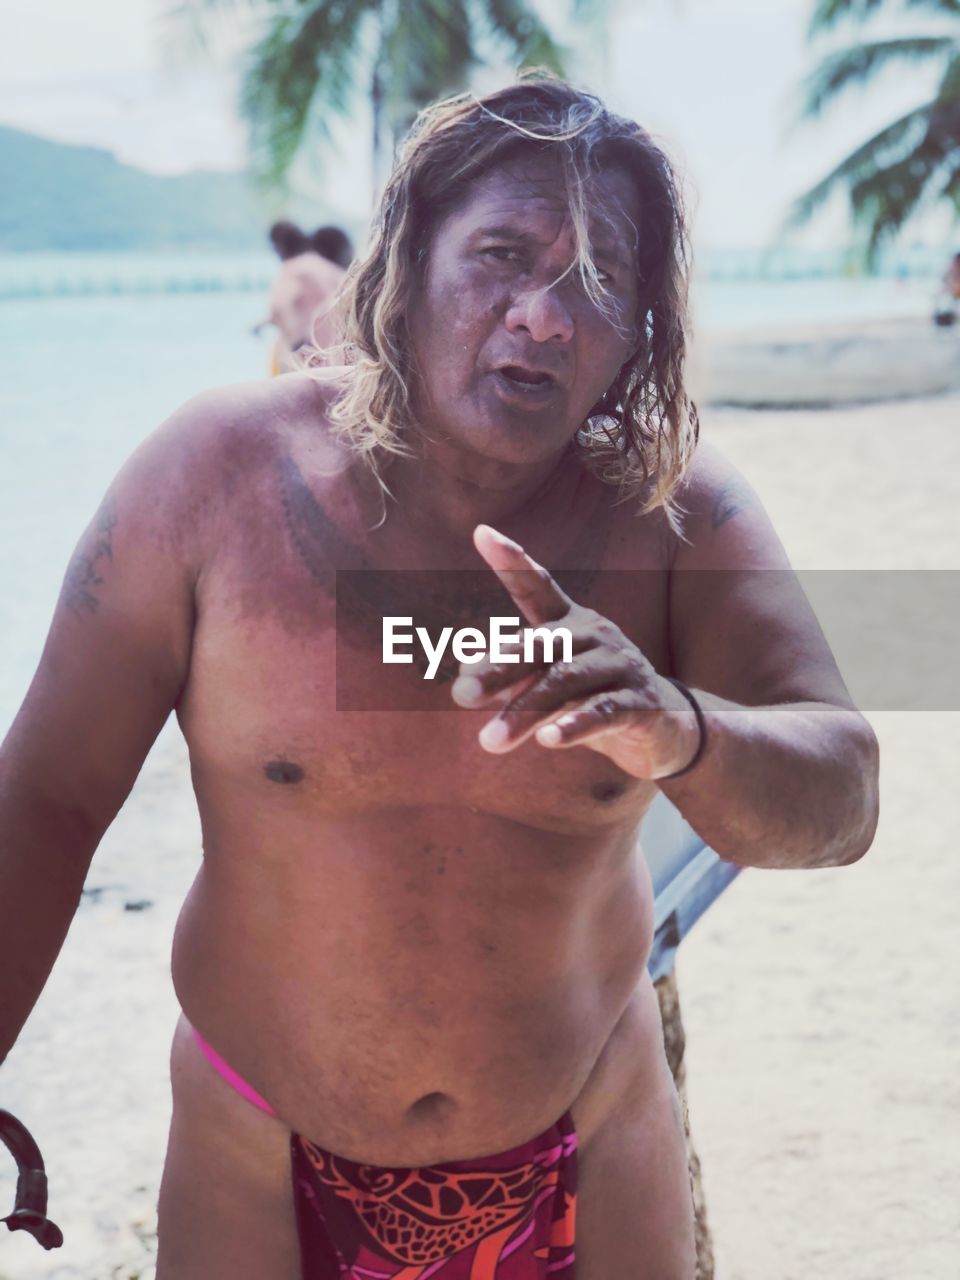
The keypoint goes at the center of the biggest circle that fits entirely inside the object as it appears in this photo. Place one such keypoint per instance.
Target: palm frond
(951, 189)
(517, 24)
(828, 13)
(855, 65)
(890, 176)
(306, 57)
(865, 159)
(427, 51)
(949, 87)
(881, 202)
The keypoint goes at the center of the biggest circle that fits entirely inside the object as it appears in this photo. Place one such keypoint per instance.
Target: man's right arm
(114, 664)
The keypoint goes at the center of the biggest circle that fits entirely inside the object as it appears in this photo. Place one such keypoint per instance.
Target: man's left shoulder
(723, 521)
(711, 493)
(713, 490)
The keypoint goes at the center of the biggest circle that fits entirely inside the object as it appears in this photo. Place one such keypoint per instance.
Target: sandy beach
(822, 1008)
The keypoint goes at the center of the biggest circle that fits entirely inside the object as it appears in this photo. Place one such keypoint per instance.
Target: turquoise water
(729, 305)
(28, 274)
(83, 381)
(84, 378)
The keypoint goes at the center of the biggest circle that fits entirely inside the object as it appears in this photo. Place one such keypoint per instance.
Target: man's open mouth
(526, 379)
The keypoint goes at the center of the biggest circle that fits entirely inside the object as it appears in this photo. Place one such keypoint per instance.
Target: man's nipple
(284, 771)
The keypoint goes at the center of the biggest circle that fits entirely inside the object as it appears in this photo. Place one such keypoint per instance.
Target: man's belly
(423, 985)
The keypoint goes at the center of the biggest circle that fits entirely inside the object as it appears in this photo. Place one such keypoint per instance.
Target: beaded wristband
(701, 725)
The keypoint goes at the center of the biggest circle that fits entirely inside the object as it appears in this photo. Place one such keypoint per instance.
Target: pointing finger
(531, 587)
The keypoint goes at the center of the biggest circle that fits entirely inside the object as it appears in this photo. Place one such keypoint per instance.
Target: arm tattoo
(83, 576)
(734, 496)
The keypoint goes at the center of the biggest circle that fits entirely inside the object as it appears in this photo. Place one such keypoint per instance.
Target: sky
(715, 80)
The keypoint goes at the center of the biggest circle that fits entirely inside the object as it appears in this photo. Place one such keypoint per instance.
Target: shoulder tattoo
(734, 496)
(84, 571)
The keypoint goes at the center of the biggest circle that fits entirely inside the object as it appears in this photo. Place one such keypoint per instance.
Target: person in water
(418, 1034)
(302, 297)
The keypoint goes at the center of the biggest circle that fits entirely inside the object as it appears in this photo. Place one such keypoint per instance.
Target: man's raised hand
(608, 697)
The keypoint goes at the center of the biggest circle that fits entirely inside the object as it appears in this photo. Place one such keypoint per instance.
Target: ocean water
(84, 379)
(725, 306)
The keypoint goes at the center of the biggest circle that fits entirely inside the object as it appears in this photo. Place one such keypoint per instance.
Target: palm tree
(312, 54)
(913, 161)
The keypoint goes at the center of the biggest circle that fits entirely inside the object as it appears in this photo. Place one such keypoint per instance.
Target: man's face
(512, 357)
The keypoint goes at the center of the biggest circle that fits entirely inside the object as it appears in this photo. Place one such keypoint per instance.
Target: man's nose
(542, 313)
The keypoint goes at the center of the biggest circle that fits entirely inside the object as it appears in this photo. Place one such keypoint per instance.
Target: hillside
(57, 196)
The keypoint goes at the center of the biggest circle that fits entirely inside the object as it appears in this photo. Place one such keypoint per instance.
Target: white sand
(89, 1074)
(821, 1007)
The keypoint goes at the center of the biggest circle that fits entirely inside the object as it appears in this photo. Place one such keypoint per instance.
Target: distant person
(330, 242)
(312, 270)
(946, 311)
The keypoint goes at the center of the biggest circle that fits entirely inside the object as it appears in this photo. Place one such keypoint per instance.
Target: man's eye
(501, 252)
(604, 276)
(604, 279)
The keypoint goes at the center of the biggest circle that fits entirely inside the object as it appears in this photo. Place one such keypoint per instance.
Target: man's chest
(291, 693)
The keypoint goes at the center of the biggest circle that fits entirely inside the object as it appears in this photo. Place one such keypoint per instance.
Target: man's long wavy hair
(641, 434)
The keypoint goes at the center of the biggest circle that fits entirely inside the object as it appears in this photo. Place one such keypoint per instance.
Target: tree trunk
(675, 1044)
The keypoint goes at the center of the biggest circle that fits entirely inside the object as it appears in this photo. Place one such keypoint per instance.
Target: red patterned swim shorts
(503, 1217)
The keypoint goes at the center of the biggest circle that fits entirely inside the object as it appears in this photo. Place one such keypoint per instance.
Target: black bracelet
(701, 724)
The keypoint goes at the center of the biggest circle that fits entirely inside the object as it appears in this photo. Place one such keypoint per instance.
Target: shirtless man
(418, 1034)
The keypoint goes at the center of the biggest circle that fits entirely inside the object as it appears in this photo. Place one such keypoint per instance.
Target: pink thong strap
(224, 1069)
